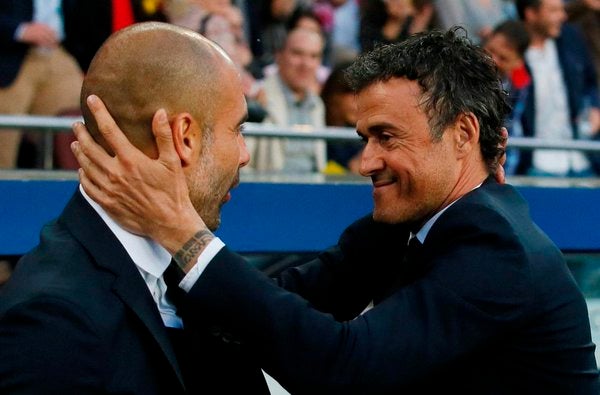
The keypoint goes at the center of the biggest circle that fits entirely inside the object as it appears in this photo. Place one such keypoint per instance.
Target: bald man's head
(150, 66)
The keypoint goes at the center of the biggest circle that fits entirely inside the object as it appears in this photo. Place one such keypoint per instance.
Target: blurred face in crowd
(217, 6)
(300, 59)
(547, 19)
(282, 9)
(306, 22)
(341, 110)
(505, 56)
(413, 176)
(399, 8)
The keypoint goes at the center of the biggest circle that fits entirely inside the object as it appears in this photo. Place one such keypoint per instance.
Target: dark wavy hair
(455, 76)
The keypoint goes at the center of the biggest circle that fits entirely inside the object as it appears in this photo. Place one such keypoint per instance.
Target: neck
(537, 40)
(471, 176)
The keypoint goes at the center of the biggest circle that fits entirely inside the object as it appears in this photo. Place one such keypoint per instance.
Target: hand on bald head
(149, 66)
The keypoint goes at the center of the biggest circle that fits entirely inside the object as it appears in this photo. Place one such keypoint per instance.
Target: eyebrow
(380, 127)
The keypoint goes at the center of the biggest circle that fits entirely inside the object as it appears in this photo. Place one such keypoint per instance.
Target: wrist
(174, 238)
(187, 256)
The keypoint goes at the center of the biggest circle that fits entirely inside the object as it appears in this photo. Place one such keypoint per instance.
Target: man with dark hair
(447, 287)
(564, 90)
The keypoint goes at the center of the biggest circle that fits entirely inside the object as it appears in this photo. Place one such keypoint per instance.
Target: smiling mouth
(379, 182)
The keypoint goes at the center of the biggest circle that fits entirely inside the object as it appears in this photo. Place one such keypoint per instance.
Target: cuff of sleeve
(19, 32)
(204, 259)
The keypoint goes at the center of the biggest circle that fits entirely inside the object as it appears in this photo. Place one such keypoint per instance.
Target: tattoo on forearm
(193, 247)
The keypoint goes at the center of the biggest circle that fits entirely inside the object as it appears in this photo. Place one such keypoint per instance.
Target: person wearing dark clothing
(447, 286)
(90, 310)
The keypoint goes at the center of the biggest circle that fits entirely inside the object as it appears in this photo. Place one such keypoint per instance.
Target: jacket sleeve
(407, 336)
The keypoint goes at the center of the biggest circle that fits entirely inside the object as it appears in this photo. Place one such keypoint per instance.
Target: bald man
(87, 310)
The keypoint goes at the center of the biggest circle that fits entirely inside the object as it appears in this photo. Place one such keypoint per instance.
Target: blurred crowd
(292, 54)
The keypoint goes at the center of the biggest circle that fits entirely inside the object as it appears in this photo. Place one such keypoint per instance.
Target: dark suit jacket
(12, 53)
(487, 307)
(76, 317)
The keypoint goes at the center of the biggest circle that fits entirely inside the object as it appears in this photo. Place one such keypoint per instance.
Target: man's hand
(39, 34)
(500, 174)
(146, 196)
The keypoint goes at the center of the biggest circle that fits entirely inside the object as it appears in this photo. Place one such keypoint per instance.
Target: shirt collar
(424, 231)
(147, 254)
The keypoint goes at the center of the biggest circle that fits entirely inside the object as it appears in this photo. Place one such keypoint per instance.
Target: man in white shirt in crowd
(564, 90)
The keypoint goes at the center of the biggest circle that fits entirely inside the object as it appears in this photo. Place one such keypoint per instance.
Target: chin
(213, 225)
(386, 216)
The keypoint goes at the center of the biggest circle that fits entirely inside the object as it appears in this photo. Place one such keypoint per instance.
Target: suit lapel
(87, 226)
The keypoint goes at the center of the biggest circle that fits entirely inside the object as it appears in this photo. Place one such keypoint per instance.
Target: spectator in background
(563, 81)
(307, 19)
(345, 42)
(189, 13)
(269, 25)
(507, 44)
(37, 74)
(390, 21)
(340, 110)
(92, 22)
(292, 101)
(478, 17)
(224, 26)
(586, 14)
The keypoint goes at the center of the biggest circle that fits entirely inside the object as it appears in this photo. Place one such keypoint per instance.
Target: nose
(244, 154)
(370, 160)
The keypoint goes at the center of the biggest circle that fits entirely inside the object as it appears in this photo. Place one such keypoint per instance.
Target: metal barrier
(28, 199)
(63, 124)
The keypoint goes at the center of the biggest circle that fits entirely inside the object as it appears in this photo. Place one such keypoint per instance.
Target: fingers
(504, 133)
(91, 157)
(87, 152)
(88, 186)
(500, 175)
(164, 136)
(108, 127)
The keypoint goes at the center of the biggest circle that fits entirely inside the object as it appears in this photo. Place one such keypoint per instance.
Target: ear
(185, 138)
(466, 134)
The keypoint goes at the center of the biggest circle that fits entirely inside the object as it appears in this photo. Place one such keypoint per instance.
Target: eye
(241, 128)
(384, 137)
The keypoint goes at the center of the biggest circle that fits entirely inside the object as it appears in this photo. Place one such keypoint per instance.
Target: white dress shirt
(151, 260)
(552, 112)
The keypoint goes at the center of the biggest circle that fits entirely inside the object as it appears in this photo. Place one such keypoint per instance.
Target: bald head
(150, 66)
